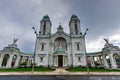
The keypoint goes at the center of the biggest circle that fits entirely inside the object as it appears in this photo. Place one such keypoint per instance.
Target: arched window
(13, 60)
(76, 29)
(78, 47)
(42, 47)
(5, 60)
(44, 28)
(79, 59)
(41, 59)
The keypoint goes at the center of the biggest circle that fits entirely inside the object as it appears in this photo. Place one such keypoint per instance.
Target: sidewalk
(60, 71)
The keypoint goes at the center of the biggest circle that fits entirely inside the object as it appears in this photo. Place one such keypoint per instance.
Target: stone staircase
(60, 71)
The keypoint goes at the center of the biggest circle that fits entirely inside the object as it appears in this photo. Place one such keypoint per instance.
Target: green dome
(60, 51)
(74, 17)
(46, 17)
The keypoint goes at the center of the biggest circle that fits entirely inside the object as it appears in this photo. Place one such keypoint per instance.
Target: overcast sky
(17, 17)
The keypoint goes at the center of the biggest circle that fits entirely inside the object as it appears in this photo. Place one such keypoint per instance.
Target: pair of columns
(26, 59)
(112, 62)
(64, 60)
(98, 60)
(52, 59)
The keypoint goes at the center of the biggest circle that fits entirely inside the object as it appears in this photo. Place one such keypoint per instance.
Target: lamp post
(85, 50)
(33, 65)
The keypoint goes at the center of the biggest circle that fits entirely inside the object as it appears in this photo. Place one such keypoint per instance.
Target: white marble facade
(60, 49)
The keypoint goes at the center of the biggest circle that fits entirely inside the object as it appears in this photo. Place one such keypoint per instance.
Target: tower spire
(74, 25)
(45, 25)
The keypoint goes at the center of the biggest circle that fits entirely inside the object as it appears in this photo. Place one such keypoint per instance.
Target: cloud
(95, 45)
(115, 39)
(98, 44)
(17, 17)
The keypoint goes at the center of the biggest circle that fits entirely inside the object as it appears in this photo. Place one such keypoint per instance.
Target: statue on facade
(15, 40)
(106, 40)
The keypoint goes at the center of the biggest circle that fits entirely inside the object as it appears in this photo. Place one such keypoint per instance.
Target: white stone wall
(42, 53)
(76, 52)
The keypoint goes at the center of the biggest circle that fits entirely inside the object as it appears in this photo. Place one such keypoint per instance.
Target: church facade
(60, 49)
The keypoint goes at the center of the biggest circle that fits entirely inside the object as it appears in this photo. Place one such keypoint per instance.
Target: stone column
(66, 61)
(17, 61)
(50, 56)
(28, 61)
(9, 62)
(113, 62)
(101, 64)
(105, 63)
(92, 61)
(63, 60)
(23, 59)
(69, 58)
(56, 60)
(97, 57)
(1, 60)
(98, 60)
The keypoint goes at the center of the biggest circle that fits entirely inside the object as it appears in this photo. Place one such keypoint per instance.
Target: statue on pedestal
(106, 40)
(14, 41)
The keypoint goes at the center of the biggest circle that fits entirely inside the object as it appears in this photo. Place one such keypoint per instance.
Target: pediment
(60, 34)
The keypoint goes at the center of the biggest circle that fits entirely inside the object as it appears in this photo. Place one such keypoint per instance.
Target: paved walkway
(59, 71)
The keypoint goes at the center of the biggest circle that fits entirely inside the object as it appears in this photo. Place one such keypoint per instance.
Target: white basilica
(60, 49)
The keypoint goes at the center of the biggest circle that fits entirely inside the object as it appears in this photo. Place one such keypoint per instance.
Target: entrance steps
(61, 71)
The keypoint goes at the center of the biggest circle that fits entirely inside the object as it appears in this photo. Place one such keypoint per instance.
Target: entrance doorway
(60, 60)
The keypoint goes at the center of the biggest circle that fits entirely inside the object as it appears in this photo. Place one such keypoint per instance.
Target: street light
(33, 66)
(85, 50)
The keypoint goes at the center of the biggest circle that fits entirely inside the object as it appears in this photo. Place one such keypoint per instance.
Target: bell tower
(74, 25)
(45, 26)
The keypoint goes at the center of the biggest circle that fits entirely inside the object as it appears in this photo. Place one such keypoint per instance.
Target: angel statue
(106, 40)
(15, 40)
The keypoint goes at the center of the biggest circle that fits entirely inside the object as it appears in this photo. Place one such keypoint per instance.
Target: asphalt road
(57, 77)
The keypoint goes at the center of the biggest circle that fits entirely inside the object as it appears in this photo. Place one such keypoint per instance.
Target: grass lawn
(25, 69)
(92, 70)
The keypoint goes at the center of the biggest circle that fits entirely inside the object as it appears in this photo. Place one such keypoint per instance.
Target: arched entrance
(5, 60)
(117, 60)
(60, 60)
(14, 60)
(60, 55)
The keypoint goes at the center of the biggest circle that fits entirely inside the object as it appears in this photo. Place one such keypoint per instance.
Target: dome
(74, 17)
(46, 17)
(60, 51)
